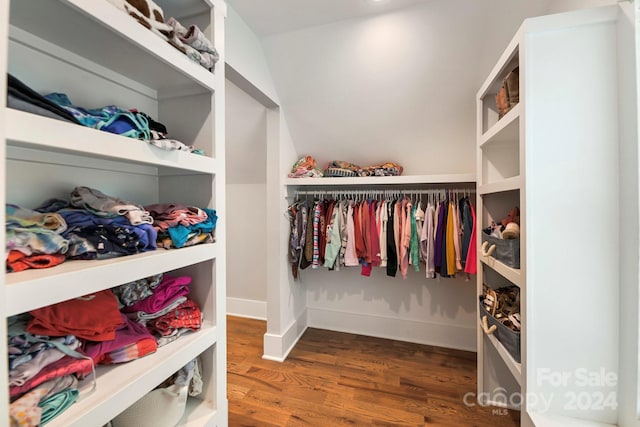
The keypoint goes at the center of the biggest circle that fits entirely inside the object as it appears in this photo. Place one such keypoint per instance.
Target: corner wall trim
(409, 330)
(250, 309)
(278, 347)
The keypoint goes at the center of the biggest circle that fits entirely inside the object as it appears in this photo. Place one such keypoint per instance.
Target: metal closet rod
(383, 192)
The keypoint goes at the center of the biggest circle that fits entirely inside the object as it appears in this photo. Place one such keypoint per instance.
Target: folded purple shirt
(130, 332)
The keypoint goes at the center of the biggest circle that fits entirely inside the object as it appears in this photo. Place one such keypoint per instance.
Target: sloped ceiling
(269, 17)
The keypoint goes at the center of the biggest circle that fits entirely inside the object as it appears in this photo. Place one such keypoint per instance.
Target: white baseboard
(247, 308)
(430, 333)
(278, 347)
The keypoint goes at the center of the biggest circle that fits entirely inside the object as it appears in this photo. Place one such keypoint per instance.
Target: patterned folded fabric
(186, 315)
(382, 169)
(65, 366)
(339, 168)
(132, 292)
(305, 167)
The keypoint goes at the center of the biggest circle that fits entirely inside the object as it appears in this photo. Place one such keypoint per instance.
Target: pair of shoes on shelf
(504, 305)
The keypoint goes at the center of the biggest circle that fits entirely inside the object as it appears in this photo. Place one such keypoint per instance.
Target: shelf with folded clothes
(70, 247)
(27, 130)
(305, 172)
(118, 386)
(468, 178)
(133, 50)
(120, 334)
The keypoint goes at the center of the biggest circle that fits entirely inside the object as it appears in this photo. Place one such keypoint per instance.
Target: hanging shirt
(333, 238)
(450, 245)
(419, 223)
(398, 217)
(316, 235)
(430, 234)
(456, 236)
(413, 242)
(350, 255)
(359, 240)
(467, 227)
(392, 257)
(307, 254)
(471, 266)
(384, 220)
(405, 237)
(439, 236)
(343, 231)
(375, 238)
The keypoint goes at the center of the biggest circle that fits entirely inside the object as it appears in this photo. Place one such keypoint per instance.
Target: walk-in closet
(331, 212)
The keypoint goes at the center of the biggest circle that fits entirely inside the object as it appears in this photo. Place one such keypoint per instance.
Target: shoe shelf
(514, 367)
(30, 289)
(511, 274)
(504, 131)
(507, 184)
(30, 131)
(118, 386)
(98, 33)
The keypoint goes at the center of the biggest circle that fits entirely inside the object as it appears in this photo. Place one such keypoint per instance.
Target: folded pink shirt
(167, 291)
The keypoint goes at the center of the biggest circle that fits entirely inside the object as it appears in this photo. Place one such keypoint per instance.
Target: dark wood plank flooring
(337, 379)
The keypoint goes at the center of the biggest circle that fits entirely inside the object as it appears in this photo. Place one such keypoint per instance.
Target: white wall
(398, 86)
(246, 162)
(286, 302)
(244, 53)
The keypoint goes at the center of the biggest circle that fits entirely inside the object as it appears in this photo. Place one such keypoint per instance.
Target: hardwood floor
(337, 379)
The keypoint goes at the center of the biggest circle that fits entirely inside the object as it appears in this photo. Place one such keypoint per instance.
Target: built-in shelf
(508, 184)
(133, 49)
(198, 413)
(511, 274)
(30, 289)
(118, 386)
(514, 367)
(550, 420)
(506, 130)
(30, 131)
(468, 178)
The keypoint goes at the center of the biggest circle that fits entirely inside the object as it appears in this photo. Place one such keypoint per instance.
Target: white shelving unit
(98, 55)
(554, 152)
